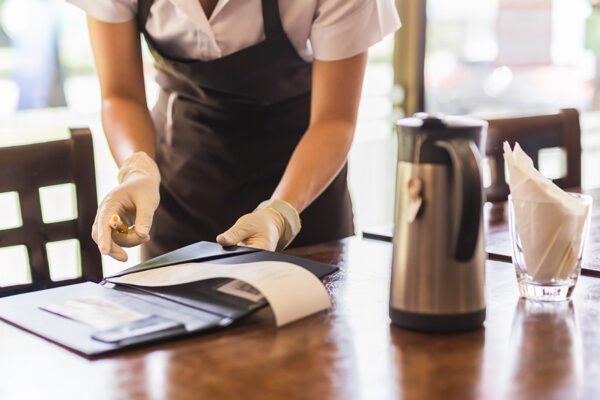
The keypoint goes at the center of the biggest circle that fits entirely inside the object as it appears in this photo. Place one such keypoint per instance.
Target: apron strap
(143, 11)
(272, 20)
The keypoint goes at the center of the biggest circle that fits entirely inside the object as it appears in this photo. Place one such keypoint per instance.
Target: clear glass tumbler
(548, 245)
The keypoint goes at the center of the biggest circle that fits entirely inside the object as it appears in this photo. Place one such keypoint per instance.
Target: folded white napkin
(549, 221)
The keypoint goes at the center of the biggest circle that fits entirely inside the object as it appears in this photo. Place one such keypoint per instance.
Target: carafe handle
(468, 196)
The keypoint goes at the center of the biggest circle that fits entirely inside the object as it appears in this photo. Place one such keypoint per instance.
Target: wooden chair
(534, 134)
(25, 169)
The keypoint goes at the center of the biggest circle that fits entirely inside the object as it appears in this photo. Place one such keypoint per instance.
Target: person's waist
(204, 93)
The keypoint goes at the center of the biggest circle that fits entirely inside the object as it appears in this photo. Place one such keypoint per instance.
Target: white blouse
(322, 29)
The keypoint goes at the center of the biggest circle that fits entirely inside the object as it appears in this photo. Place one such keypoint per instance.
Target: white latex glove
(272, 226)
(135, 200)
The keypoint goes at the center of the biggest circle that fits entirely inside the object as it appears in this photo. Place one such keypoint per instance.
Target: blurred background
(486, 58)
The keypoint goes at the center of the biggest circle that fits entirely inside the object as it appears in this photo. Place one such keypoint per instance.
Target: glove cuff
(139, 163)
(291, 220)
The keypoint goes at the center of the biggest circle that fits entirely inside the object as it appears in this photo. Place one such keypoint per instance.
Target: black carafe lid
(418, 134)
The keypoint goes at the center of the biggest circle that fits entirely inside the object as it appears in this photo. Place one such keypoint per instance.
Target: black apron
(226, 130)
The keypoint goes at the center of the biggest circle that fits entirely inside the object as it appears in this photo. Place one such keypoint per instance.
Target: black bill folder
(170, 312)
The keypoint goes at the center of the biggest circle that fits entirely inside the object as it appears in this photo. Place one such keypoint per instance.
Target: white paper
(95, 311)
(549, 221)
(292, 291)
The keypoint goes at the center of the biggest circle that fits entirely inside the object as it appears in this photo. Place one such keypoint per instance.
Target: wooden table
(497, 237)
(526, 350)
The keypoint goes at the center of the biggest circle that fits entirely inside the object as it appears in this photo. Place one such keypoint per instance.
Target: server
(253, 123)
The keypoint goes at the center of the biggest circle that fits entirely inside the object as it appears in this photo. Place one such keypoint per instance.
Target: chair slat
(534, 133)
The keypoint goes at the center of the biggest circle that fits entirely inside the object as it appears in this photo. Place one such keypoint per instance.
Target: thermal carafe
(438, 266)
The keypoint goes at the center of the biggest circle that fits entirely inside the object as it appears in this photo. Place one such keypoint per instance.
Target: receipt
(95, 311)
(292, 291)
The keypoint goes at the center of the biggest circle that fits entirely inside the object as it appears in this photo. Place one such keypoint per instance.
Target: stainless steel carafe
(438, 272)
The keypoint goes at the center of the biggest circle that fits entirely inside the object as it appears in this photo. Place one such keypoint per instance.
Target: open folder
(161, 299)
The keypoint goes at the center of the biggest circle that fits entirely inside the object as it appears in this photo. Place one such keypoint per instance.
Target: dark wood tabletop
(497, 237)
(526, 350)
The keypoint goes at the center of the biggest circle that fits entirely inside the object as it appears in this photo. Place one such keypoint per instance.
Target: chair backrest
(534, 133)
(26, 169)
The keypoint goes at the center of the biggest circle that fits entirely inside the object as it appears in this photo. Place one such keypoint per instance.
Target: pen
(119, 225)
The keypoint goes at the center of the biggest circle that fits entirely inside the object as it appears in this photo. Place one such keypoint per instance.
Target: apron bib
(226, 129)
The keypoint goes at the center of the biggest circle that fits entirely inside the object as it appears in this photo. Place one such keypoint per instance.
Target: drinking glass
(547, 246)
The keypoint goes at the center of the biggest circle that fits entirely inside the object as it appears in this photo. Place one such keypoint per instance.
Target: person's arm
(130, 133)
(125, 116)
(316, 161)
(324, 148)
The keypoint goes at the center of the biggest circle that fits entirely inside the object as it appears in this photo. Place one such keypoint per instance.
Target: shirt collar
(218, 8)
(194, 12)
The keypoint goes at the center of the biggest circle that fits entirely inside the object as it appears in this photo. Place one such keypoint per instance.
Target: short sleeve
(112, 11)
(345, 28)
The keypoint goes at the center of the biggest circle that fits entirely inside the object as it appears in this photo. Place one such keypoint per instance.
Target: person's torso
(227, 128)
(263, 73)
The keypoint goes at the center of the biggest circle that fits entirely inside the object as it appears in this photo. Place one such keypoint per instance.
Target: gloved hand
(272, 226)
(135, 200)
